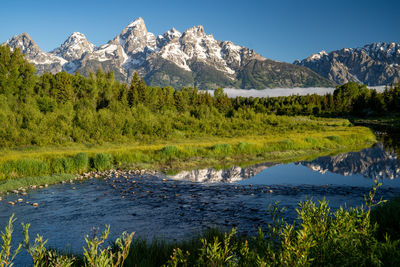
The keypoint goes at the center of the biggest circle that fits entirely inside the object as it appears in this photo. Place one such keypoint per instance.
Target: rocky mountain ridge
(191, 58)
(373, 64)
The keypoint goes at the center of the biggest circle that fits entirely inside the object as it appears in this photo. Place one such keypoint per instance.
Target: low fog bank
(231, 92)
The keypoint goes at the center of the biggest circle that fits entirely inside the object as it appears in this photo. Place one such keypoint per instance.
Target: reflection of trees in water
(391, 142)
(376, 162)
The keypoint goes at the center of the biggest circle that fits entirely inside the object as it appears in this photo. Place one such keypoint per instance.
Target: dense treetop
(64, 108)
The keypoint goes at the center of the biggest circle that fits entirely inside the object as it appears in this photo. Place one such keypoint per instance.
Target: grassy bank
(318, 237)
(177, 154)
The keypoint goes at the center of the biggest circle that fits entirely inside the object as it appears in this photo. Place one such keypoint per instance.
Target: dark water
(189, 202)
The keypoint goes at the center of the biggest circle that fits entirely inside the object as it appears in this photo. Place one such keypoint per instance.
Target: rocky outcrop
(191, 58)
(374, 64)
(44, 62)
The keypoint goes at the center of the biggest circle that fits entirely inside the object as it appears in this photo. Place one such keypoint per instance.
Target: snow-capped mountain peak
(372, 64)
(191, 58)
(24, 42)
(34, 54)
(317, 56)
(135, 38)
(197, 31)
(137, 23)
(74, 47)
(382, 48)
(169, 35)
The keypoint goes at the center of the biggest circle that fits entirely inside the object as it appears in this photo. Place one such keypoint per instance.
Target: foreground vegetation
(53, 126)
(362, 236)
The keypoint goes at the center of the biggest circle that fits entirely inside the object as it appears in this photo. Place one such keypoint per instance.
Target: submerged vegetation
(319, 237)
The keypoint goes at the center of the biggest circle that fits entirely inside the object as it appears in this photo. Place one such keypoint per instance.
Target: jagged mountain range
(191, 58)
(373, 64)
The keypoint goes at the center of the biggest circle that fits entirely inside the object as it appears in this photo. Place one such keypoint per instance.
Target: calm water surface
(189, 202)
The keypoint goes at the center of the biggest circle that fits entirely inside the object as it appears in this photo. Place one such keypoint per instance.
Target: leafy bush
(311, 140)
(7, 167)
(57, 166)
(31, 167)
(81, 162)
(334, 138)
(222, 149)
(286, 144)
(170, 151)
(246, 148)
(6, 255)
(102, 162)
(69, 164)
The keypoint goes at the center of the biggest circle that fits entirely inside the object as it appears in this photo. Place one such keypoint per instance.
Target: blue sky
(282, 30)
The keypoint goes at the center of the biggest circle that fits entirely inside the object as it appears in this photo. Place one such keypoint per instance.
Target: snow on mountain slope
(74, 47)
(373, 64)
(45, 62)
(173, 58)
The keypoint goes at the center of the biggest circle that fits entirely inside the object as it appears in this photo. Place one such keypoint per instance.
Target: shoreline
(25, 183)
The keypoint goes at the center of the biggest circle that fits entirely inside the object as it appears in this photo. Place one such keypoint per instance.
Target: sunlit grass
(185, 153)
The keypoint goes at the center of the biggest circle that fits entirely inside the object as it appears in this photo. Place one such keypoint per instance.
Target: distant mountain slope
(373, 64)
(191, 58)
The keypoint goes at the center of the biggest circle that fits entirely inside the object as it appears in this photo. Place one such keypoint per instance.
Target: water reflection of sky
(296, 174)
(177, 209)
(347, 169)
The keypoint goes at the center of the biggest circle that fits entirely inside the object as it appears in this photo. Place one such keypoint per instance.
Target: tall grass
(184, 154)
(102, 161)
(222, 149)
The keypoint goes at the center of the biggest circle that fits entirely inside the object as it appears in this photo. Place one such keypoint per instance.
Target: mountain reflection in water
(211, 175)
(175, 208)
(374, 163)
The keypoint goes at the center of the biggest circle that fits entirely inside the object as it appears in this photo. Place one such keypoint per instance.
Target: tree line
(63, 108)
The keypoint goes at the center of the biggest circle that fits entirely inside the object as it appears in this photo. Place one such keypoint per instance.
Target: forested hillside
(62, 108)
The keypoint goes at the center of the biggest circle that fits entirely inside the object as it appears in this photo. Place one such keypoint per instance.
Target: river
(176, 207)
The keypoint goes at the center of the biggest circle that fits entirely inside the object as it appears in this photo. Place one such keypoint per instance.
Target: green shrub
(311, 140)
(244, 147)
(170, 151)
(102, 162)
(222, 149)
(57, 166)
(31, 167)
(334, 138)
(81, 162)
(131, 158)
(68, 164)
(286, 144)
(7, 167)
